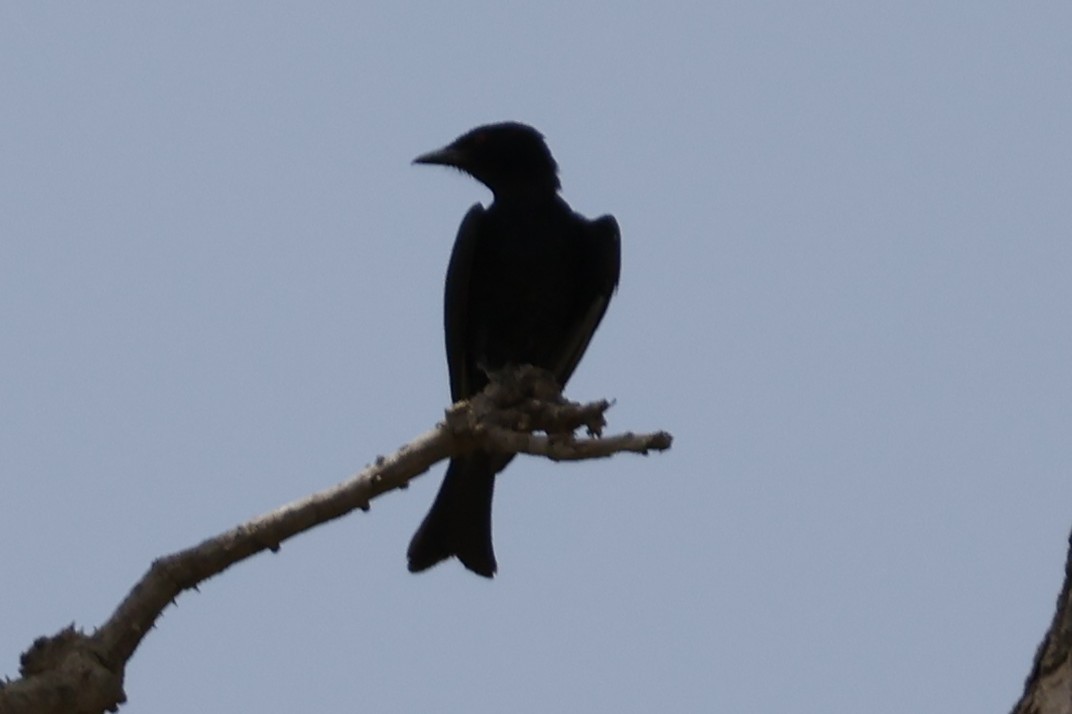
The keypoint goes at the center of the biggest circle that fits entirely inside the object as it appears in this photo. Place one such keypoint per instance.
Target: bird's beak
(447, 156)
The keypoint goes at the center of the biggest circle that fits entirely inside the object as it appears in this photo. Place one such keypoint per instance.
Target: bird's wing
(602, 259)
(456, 305)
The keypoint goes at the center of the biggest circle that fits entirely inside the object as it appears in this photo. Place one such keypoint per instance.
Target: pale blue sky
(846, 288)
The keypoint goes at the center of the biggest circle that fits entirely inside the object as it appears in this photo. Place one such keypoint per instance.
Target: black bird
(528, 283)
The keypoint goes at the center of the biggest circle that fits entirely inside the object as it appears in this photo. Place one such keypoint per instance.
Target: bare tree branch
(72, 673)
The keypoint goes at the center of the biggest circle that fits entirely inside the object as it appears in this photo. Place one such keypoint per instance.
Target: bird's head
(507, 157)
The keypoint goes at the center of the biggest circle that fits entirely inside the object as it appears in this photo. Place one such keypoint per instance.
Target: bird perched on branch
(528, 283)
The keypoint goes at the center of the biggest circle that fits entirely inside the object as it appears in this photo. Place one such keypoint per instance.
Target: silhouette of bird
(528, 283)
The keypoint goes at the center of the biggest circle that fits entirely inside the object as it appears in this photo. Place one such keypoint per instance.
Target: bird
(528, 283)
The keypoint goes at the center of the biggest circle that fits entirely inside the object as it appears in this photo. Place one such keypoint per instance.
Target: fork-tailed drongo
(528, 283)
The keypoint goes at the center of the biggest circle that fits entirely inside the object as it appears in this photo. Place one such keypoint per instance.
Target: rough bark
(1048, 689)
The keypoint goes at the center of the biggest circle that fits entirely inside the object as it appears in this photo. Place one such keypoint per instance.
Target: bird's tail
(459, 522)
